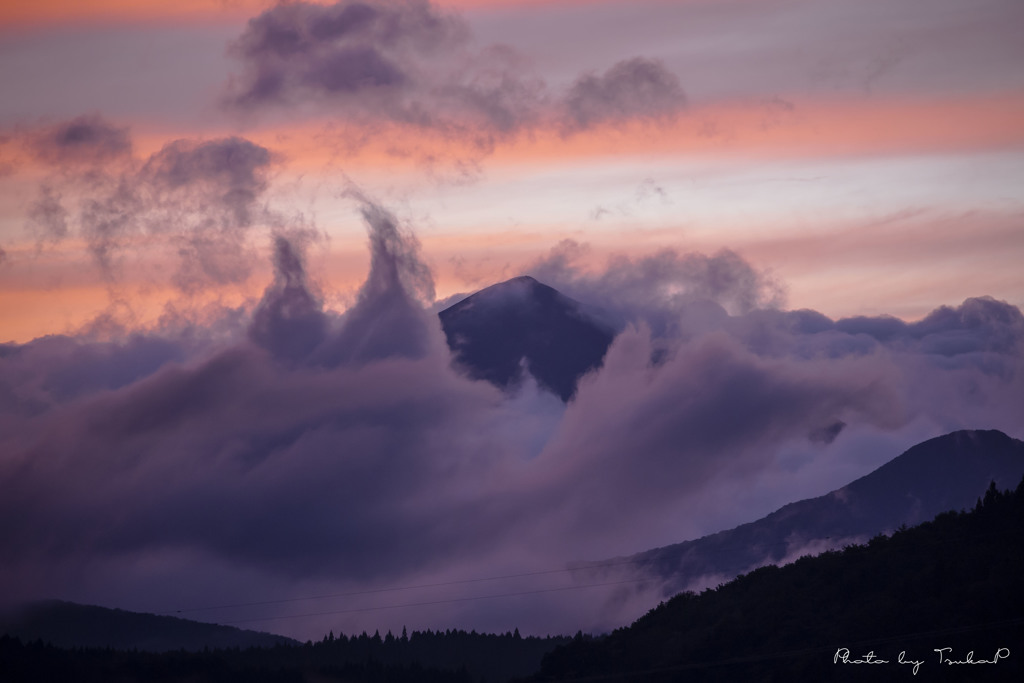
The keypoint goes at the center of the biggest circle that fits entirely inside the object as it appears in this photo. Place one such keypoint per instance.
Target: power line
(650, 557)
(370, 591)
(435, 602)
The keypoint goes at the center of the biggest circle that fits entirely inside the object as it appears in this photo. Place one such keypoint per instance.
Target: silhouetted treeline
(495, 657)
(956, 582)
(427, 657)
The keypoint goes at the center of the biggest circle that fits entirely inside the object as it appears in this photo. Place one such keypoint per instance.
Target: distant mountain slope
(66, 624)
(945, 473)
(950, 587)
(493, 331)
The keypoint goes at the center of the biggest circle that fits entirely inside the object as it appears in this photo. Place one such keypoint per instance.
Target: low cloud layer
(320, 450)
(666, 290)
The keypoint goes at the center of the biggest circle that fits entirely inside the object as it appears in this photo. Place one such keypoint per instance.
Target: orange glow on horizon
(813, 129)
(43, 12)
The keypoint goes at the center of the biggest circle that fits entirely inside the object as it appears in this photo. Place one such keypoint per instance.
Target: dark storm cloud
(307, 469)
(201, 197)
(304, 472)
(664, 431)
(414, 64)
(632, 89)
(343, 448)
(87, 139)
(384, 60)
(52, 370)
(347, 48)
(978, 325)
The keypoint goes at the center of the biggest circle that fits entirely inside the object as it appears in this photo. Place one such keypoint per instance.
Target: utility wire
(390, 589)
(435, 602)
(650, 557)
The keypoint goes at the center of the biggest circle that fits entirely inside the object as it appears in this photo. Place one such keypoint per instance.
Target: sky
(226, 227)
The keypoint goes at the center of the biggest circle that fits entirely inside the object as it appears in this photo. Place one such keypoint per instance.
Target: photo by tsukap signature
(943, 656)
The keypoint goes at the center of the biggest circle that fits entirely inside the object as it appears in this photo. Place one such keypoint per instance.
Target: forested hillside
(955, 582)
(944, 599)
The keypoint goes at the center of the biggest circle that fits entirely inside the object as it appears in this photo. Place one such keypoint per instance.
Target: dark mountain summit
(945, 473)
(519, 323)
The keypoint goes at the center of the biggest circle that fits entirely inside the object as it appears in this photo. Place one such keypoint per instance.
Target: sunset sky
(855, 158)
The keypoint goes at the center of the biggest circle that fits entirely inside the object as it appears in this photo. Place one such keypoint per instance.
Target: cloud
(348, 48)
(327, 462)
(230, 171)
(635, 88)
(87, 139)
(664, 431)
(299, 448)
(49, 215)
(389, 318)
(405, 62)
(415, 65)
(201, 197)
(661, 288)
(289, 321)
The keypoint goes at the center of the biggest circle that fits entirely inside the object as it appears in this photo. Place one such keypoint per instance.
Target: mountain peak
(496, 331)
(514, 289)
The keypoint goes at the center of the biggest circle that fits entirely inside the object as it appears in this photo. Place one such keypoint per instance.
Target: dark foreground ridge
(494, 332)
(954, 582)
(69, 625)
(949, 590)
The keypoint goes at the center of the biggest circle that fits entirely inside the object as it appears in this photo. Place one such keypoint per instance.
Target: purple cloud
(87, 139)
(200, 196)
(388, 318)
(631, 89)
(661, 289)
(49, 215)
(342, 450)
(349, 49)
(415, 64)
(289, 321)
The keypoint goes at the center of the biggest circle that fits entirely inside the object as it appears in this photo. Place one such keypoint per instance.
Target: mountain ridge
(72, 625)
(947, 472)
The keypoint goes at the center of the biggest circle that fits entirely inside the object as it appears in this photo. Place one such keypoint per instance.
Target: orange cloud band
(35, 12)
